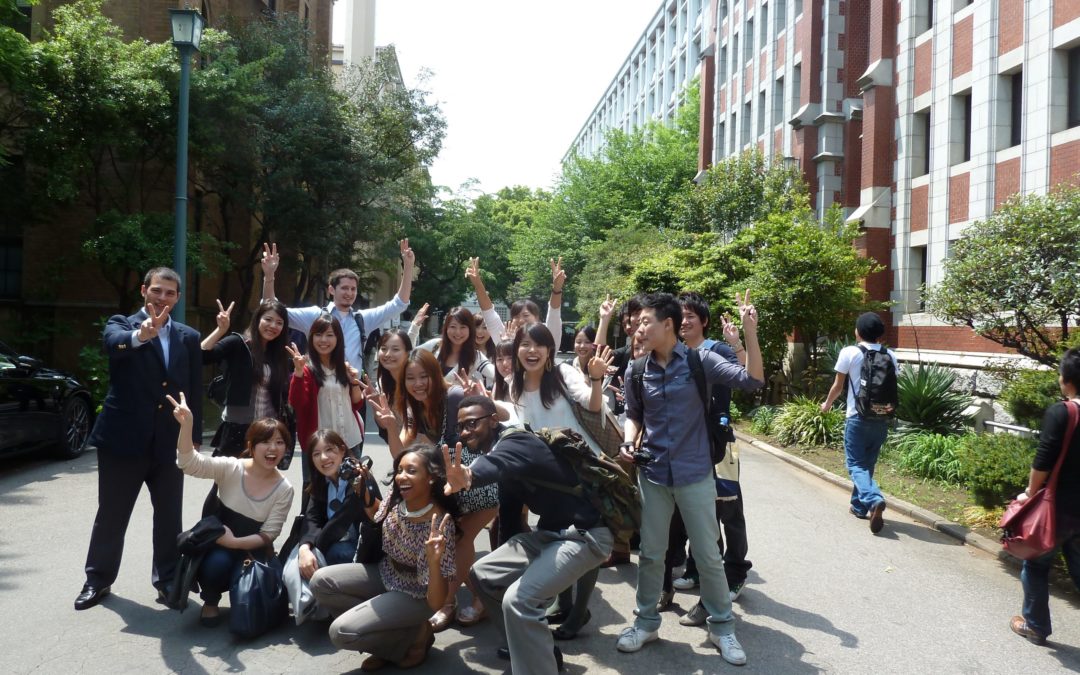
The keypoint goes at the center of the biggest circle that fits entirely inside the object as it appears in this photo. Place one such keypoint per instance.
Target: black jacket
(322, 533)
(234, 351)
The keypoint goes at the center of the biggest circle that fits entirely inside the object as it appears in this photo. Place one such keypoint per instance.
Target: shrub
(929, 455)
(927, 401)
(801, 422)
(995, 467)
(1027, 395)
(763, 420)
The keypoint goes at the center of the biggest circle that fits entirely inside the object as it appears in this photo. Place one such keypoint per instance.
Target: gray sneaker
(695, 617)
(730, 649)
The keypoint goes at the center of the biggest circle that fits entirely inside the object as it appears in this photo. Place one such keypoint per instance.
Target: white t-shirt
(849, 362)
(530, 407)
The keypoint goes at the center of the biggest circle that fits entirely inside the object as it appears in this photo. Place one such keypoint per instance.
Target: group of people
(388, 570)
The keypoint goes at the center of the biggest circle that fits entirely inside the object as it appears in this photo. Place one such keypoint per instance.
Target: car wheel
(76, 422)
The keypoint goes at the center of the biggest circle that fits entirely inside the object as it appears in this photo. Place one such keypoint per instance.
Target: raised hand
(421, 315)
(472, 272)
(747, 312)
(457, 477)
(181, 411)
(384, 416)
(731, 331)
(149, 328)
(354, 374)
(512, 327)
(270, 259)
(558, 276)
(222, 317)
(607, 307)
(436, 541)
(298, 359)
(598, 364)
(408, 257)
(471, 386)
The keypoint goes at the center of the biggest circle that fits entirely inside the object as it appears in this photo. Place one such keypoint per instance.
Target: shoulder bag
(1029, 528)
(257, 599)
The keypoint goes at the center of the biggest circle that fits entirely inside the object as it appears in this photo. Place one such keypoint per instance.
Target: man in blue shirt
(672, 414)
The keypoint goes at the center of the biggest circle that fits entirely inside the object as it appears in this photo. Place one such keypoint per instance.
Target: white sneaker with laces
(730, 648)
(633, 639)
(685, 583)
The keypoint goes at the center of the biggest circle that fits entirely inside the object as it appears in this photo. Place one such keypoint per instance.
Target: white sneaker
(685, 583)
(730, 648)
(633, 638)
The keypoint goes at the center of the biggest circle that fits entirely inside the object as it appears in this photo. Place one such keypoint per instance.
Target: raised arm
(222, 328)
(753, 349)
(554, 313)
(494, 324)
(731, 336)
(607, 308)
(270, 260)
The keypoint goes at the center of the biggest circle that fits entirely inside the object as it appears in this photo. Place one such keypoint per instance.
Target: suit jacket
(136, 418)
(322, 532)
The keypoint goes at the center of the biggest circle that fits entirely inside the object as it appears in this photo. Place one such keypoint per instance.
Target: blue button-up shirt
(674, 416)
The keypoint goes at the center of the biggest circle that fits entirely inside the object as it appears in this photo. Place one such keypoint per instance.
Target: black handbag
(258, 600)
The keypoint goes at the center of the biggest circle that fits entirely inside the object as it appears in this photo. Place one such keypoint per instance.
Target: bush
(801, 422)
(995, 467)
(928, 403)
(763, 420)
(929, 455)
(1027, 395)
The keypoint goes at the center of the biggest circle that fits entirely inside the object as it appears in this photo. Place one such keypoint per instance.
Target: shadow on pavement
(916, 531)
(754, 602)
(1068, 655)
(19, 476)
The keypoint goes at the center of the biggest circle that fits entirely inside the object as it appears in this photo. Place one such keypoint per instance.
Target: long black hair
(502, 387)
(317, 487)
(552, 387)
(488, 349)
(337, 357)
(467, 350)
(436, 467)
(387, 384)
(271, 353)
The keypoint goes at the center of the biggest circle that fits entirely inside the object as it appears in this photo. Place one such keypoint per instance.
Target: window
(20, 21)
(721, 67)
(960, 128)
(924, 16)
(1016, 108)
(798, 7)
(796, 85)
(1073, 114)
(746, 119)
(778, 102)
(761, 114)
(10, 268)
(721, 136)
(748, 43)
(764, 24)
(780, 15)
(920, 144)
(918, 260)
(733, 145)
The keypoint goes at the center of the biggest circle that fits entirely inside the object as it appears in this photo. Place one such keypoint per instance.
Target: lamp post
(187, 28)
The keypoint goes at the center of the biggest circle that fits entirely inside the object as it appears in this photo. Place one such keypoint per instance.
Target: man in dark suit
(150, 356)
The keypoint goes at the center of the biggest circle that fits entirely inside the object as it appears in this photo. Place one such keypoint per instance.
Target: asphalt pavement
(824, 596)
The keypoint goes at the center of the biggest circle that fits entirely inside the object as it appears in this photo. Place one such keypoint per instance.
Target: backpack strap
(359, 319)
(697, 371)
(637, 376)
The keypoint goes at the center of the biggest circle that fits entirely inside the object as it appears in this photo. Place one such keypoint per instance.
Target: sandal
(470, 615)
(442, 619)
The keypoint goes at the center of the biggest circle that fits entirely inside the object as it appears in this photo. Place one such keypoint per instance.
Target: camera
(350, 467)
(642, 457)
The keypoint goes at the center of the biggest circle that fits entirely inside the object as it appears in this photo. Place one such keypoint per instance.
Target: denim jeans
(219, 569)
(1035, 577)
(697, 504)
(341, 552)
(863, 439)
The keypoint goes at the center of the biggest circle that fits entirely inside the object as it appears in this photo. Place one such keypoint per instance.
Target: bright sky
(515, 79)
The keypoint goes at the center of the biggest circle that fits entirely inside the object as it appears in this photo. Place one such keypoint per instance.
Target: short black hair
(1070, 367)
(696, 304)
(480, 400)
(630, 307)
(665, 306)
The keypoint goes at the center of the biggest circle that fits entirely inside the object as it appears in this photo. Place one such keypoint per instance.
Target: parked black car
(41, 408)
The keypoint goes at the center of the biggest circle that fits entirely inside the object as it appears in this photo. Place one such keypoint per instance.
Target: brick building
(918, 116)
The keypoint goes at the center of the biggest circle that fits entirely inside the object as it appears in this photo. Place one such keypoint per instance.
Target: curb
(939, 523)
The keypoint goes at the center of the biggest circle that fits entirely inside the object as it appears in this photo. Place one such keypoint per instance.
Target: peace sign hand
(298, 359)
(731, 331)
(408, 257)
(558, 275)
(384, 416)
(457, 477)
(222, 317)
(270, 259)
(181, 411)
(607, 307)
(151, 326)
(747, 312)
(472, 272)
(598, 364)
(436, 541)
(471, 386)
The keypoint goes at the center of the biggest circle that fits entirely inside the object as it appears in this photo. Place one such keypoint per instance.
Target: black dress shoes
(504, 654)
(90, 596)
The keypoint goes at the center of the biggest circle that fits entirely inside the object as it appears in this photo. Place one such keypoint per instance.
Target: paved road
(824, 596)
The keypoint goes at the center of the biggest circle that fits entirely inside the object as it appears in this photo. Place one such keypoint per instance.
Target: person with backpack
(868, 371)
(675, 458)
(518, 580)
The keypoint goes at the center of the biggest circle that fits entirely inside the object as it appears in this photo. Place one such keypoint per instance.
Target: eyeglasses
(471, 424)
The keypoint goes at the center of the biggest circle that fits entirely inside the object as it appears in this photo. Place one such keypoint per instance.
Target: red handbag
(1030, 527)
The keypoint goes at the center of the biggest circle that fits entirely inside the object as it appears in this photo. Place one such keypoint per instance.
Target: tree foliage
(1014, 278)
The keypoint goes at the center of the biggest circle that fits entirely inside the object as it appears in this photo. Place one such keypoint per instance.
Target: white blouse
(530, 409)
(336, 412)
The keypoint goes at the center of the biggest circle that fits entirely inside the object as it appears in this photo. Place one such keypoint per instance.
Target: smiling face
(327, 458)
(412, 480)
(268, 453)
(504, 363)
(482, 335)
(476, 427)
(392, 354)
(583, 346)
(456, 332)
(692, 331)
(532, 355)
(161, 293)
(270, 326)
(417, 381)
(324, 342)
(344, 294)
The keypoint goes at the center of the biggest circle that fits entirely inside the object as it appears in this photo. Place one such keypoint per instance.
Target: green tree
(14, 61)
(1014, 278)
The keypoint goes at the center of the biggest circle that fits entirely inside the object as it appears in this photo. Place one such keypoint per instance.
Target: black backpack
(877, 397)
(719, 436)
(601, 480)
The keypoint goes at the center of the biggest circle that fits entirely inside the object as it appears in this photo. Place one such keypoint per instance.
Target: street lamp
(187, 28)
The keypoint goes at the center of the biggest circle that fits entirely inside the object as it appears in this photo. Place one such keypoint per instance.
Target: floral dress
(404, 566)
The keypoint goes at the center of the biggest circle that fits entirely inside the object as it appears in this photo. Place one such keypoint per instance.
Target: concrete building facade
(919, 117)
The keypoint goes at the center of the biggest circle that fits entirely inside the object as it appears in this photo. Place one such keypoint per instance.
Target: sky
(515, 79)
